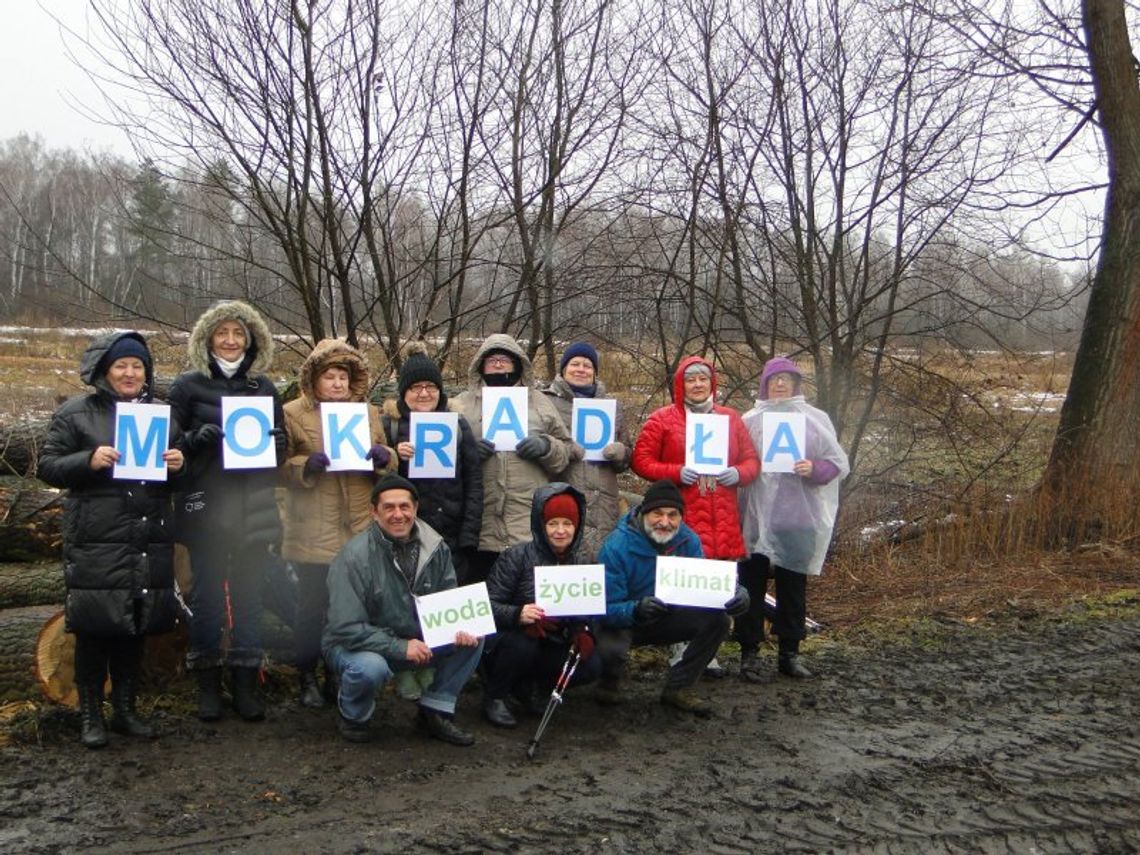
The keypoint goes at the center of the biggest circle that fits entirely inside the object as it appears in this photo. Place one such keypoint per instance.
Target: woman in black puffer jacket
(117, 543)
(228, 519)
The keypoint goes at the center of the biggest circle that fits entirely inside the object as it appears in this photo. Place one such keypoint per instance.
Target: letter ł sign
(567, 590)
(246, 423)
(435, 437)
(785, 441)
(592, 425)
(504, 416)
(142, 433)
(466, 609)
(344, 426)
(706, 442)
(698, 582)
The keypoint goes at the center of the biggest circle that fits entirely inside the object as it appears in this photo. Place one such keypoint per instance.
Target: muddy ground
(949, 738)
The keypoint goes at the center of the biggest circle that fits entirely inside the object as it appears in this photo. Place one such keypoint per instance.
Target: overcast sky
(41, 84)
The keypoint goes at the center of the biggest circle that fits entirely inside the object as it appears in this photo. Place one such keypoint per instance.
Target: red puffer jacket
(660, 453)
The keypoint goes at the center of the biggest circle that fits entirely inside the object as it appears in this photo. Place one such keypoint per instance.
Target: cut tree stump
(36, 584)
(19, 636)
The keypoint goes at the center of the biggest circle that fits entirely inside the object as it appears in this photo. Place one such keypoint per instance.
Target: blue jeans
(362, 673)
(244, 568)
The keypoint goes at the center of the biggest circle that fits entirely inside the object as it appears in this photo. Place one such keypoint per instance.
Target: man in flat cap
(373, 630)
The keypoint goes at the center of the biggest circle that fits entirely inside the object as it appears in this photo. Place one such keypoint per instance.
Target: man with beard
(634, 616)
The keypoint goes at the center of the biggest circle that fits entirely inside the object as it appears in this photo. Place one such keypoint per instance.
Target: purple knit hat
(774, 366)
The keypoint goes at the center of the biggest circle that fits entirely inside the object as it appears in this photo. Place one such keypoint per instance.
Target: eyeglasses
(424, 389)
(497, 360)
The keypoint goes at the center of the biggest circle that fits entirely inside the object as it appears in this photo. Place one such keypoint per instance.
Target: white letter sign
(344, 426)
(504, 416)
(247, 443)
(466, 609)
(785, 441)
(142, 433)
(435, 436)
(698, 582)
(592, 425)
(706, 442)
(568, 590)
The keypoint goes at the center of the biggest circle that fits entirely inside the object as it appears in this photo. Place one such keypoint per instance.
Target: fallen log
(31, 516)
(20, 447)
(19, 635)
(34, 584)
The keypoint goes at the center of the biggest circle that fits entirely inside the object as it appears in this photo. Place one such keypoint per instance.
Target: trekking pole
(572, 660)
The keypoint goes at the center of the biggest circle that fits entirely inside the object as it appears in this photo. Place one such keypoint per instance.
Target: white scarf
(229, 369)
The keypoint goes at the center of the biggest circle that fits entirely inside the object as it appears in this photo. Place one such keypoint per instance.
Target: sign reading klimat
(698, 582)
(465, 609)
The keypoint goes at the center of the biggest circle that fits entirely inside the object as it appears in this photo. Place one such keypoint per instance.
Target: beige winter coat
(322, 513)
(509, 481)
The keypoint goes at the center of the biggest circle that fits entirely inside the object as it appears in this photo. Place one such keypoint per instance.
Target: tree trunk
(23, 585)
(30, 518)
(20, 447)
(19, 633)
(1094, 467)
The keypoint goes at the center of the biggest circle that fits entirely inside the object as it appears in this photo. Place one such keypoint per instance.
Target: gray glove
(486, 449)
(689, 475)
(533, 447)
(738, 605)
(614, 451)
(728, 477)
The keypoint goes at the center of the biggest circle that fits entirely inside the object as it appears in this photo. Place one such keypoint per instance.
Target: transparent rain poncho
(785, 516)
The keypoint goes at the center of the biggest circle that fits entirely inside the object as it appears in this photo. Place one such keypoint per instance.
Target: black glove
(649, 608)
(738, 605)
(486, 449)
(533, 447)
(379, 456)
(206, 438)
(317, 463)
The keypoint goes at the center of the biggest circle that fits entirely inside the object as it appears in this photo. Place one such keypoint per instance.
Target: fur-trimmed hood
(500, 341)
(198, 347)
(335, 351)
(93, 372)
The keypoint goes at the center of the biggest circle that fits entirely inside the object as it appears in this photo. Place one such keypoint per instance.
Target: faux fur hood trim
(335, 351)
(198, 347)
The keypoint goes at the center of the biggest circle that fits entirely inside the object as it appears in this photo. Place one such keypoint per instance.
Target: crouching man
(635, 617)
(373, 631)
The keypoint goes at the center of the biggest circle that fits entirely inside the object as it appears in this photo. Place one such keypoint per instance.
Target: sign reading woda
(466, 609)
(698, 582)
(571, 589)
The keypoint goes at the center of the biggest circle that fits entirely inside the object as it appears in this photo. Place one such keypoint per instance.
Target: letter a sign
(785, 441)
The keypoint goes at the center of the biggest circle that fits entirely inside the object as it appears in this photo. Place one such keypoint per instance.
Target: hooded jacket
(660, 453)
(630, 558)
(117, 538)
(510, 584)
(597, 481)
(509, 481)
(371, 605)
(323, 512)
(236, 505)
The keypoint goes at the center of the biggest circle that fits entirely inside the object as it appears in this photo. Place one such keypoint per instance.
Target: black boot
(124, 691)
(93, 730)
(790, 666)
(247, 696)
(209, 693)
(311, 696)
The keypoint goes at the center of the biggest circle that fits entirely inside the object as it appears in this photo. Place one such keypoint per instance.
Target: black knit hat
(123, 347)
(663, 494)
(418, 368)
(394, 482)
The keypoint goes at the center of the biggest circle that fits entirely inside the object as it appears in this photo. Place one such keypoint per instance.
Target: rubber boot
(93, 730)
(311, 696)
(247, 696)
(124, 692)
(209, 693)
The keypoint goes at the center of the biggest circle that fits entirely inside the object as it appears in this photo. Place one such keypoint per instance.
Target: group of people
(364, 545)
